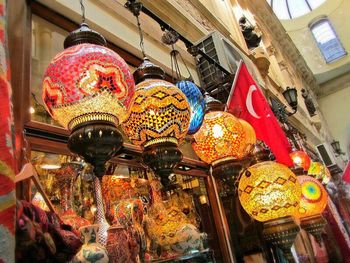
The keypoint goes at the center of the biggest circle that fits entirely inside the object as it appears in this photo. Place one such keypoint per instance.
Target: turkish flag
(246, 101)
(346, 174)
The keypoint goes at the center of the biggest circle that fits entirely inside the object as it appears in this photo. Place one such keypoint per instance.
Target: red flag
(247, 102)
(346, 174)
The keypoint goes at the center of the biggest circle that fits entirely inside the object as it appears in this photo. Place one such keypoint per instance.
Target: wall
(335, 108)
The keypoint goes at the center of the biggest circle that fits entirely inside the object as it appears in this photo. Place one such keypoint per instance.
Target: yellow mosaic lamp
(320, 172)
(313, 202)
(158, 120)
(223, 140)
(270, 193)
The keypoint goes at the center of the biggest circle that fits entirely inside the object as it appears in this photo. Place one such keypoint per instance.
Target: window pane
(298, 8)
(327, 41)
(280, 9)
(315, 3)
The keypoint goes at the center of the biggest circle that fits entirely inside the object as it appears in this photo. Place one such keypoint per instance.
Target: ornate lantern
(159, 118)
(313, 201)
(223, 140)
(270, 193)
(301, 159)
(320, 172)
(196, 101)
(88, 88)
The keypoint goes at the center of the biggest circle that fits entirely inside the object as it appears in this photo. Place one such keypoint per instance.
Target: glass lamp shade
(159, 112)
(249, 141)
(269, 190)
(87, 82)
(196, 101)
(221, 136)
(291, 96)
(320, 172)
(301, 159)
(313, 197)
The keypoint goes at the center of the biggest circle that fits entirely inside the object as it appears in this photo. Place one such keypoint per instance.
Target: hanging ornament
(223, 140)
(88, 88)
(159, 117)
(300, 159)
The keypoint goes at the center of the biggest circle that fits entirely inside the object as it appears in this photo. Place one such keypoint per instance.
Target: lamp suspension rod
(187, 42)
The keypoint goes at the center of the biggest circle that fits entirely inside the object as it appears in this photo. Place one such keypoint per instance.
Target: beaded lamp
(196, 101)
(223, 140)
(300, 159)
(270, 192)
(313, 202)
(158, 120)
(88, 88)
(320, 172)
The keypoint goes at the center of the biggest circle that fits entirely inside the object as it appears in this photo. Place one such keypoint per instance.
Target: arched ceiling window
(289, 9)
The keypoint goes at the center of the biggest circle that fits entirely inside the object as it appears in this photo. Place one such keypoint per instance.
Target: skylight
(289, 9)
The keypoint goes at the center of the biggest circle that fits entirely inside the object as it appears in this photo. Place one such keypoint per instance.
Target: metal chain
(82, 11)
(142, 46)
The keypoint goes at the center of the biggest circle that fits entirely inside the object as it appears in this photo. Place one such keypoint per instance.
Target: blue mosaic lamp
(196, 101)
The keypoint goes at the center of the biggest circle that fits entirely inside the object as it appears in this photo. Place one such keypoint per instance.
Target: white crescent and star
(249, 102)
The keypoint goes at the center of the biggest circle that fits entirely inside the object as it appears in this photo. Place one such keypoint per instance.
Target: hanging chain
(82, 11)
(142, 46)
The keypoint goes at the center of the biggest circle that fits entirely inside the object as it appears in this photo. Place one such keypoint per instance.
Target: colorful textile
(7, 161)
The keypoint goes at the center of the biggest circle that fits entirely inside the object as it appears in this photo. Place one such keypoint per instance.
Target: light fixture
(159, 117)
(336, 148)
(269, 192)
(291, 96)
(301, 159)
(88, 88)
(223, 140)
(187, 86)
(196, 101)
(320, 172)
(313, 202)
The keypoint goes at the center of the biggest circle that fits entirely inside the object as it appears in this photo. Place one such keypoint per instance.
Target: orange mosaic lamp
(88, 88)
(270, 192)
(313, 202)
(320, 172)
(301, 159)
(223, 140)
(158, 120)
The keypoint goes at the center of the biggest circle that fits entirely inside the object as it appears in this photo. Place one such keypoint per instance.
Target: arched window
(327, 40)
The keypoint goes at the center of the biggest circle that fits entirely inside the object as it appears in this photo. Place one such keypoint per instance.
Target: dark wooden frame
(48, 138)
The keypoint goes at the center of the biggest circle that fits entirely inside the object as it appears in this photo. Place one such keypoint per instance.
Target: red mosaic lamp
(88, 88)
(300, 159)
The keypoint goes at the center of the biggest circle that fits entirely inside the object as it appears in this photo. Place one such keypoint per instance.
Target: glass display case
(175, 226)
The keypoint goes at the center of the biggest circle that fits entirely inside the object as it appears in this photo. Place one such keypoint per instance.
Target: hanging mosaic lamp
(320, 172)
(159, 119)
(301, 159)
(313, 202)
(88, 88)
(196, 100)
(223, 140)
(270, 193)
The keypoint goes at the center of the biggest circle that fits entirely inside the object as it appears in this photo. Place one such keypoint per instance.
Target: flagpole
(234, 83)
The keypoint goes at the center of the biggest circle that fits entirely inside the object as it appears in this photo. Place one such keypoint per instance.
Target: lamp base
(314, 225)
(228, 170)
(281, 232)
(162, 158)
(96, 142)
